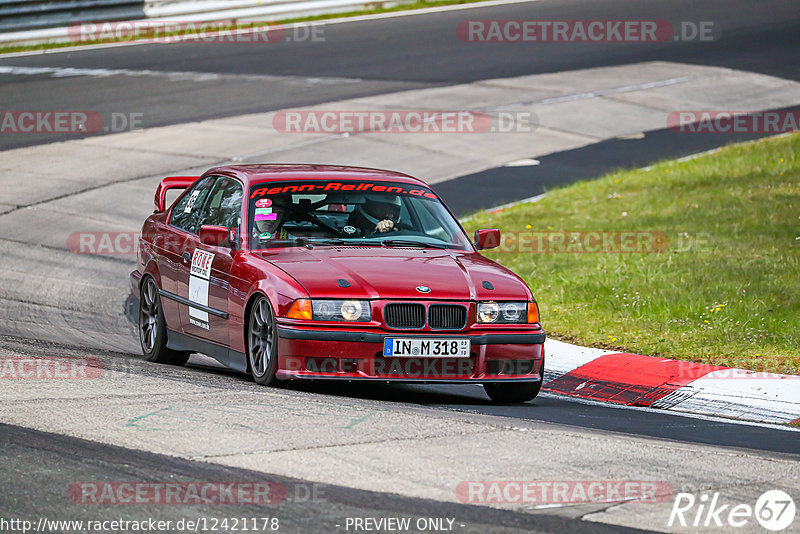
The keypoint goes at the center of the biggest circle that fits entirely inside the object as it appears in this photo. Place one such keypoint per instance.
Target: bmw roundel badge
(423, 289)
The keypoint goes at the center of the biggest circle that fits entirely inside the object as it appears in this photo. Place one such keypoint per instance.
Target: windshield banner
(350, 186)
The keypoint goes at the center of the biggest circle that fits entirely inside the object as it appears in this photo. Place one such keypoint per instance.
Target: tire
(153, 328)
(512, 393)
(262, 342)
(515, 393)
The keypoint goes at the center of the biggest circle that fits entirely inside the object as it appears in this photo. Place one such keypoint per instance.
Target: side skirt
(230, 358)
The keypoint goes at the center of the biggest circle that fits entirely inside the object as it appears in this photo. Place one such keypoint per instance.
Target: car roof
(275, 172)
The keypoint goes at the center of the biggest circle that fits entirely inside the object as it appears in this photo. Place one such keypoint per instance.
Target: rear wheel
(512, 393)
(262, 342)
(153, 328)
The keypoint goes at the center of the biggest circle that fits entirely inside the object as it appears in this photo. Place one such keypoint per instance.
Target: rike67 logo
(774, 510)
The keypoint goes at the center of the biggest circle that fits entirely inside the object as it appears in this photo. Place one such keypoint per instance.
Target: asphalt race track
(407, 52)
(372, 450)
(64, 457)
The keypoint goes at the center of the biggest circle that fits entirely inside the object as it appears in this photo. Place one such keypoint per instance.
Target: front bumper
(306, 353)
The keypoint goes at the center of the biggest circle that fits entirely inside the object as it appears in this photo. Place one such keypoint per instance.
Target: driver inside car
(378, 214)
(269, 217)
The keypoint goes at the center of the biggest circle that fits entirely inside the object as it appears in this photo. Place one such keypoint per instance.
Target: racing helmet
(279, 205)
(370, 208)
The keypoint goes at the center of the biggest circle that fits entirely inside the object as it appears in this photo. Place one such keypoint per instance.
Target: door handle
(186, 256)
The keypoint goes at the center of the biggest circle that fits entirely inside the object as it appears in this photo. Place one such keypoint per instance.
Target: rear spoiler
(171, 182)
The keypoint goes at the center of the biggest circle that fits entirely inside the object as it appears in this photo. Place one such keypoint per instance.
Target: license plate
(398, 347)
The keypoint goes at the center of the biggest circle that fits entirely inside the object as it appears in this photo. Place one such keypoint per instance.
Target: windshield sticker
(401, 189)
(266, 216)
(349, 229)
(263, 203)
(263, 211)
(264, 235)
(192, 200)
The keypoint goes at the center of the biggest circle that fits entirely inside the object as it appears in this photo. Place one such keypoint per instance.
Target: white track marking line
(191, 76)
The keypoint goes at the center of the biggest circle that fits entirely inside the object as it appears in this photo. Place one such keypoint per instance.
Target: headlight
(351, 310)
(488, 312)
(511, 311)
(342, 310)
(324, 310)
(503, 312)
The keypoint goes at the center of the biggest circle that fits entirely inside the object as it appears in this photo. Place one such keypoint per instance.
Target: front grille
(447, 317)
(404, 315)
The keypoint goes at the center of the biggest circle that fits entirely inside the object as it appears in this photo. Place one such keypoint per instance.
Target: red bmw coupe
(325, 272)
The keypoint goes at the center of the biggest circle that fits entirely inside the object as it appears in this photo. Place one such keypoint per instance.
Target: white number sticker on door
(198, 286)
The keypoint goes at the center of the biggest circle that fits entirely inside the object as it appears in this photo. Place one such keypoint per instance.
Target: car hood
(395, 273)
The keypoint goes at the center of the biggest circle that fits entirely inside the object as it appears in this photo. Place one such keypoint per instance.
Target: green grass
(419, 4)
(726, 287)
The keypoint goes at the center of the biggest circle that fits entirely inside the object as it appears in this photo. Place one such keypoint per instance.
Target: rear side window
(184, 214)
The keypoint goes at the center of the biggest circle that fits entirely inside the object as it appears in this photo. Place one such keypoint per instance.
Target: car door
(205, 277)
(170, 244)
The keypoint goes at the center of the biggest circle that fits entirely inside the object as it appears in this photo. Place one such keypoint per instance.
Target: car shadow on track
(429, 394)
(468, 394)
(424, 394)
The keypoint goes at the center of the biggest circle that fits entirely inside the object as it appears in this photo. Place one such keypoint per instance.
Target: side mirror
(217, 236)
(486, 239)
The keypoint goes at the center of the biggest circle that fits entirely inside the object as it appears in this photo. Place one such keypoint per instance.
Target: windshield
(360, 213)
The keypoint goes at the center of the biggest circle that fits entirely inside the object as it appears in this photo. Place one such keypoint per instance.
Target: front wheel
(262, 342)
(153, 328)
(512, 393)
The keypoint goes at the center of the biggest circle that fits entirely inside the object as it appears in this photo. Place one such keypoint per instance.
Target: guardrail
(171, 8)
(197, 10)
(20, 15)
(30, 22)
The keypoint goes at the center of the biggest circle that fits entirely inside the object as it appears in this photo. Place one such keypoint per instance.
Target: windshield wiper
(359, 243)
(324, 241)
(411, 243)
